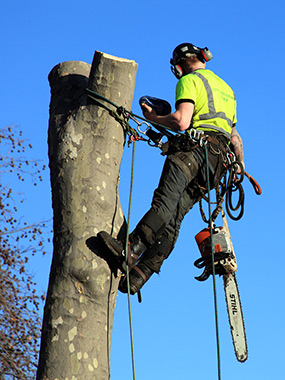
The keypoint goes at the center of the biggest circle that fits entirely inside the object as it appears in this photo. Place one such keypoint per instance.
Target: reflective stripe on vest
(212, 110)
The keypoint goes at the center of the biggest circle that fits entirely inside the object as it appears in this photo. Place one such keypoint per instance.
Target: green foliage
(19, 301)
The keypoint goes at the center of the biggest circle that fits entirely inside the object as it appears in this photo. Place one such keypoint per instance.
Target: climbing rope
(127, 264)
(213, 262)
(122, 116)
(226, 188)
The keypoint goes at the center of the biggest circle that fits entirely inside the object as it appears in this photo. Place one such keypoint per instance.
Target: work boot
(140, 273)
(138, 276)
(116, 249)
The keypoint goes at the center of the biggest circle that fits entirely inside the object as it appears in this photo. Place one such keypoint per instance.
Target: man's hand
(177, 121)
(148, 112)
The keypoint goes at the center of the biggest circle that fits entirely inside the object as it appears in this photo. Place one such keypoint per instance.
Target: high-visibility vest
(215, 101)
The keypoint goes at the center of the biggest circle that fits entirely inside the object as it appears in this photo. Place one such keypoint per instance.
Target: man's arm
(177, 121)
(236, 142)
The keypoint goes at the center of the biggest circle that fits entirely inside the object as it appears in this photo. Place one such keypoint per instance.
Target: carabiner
(203, 140)
(144, 132)
(231, 157)
(196, 135)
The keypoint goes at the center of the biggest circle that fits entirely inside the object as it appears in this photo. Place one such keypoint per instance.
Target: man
(205, 108)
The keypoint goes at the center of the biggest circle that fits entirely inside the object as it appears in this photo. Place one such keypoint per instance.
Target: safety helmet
(186, 50)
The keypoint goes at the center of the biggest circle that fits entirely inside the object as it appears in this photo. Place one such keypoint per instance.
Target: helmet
(187, 50)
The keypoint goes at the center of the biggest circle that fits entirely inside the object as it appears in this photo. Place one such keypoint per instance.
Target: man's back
(215, 102)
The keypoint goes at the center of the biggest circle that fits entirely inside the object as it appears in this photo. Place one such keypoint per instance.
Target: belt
(197, 135)
(217, 142)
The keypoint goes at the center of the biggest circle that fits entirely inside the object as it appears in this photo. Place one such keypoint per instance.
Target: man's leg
(152, 259)
(166, 197)
(164, 203)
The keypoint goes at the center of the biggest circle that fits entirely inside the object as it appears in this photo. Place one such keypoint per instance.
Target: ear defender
(177, 71)
(207, 55)
(187, 50)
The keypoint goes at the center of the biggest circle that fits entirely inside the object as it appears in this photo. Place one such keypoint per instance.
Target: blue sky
(174, 334)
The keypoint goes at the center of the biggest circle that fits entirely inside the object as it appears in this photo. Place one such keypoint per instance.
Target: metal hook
(203, 140)
(144, 132)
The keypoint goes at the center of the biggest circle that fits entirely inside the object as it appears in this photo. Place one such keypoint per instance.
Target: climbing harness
(226, 188)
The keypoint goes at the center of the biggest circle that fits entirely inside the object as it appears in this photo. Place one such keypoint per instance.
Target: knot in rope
(120, 114)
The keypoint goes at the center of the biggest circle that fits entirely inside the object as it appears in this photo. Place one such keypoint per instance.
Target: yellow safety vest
(215, 101)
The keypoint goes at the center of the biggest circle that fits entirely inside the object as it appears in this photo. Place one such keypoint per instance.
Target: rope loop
(236, 176)
(229, 183)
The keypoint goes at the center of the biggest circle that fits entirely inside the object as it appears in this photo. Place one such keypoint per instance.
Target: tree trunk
(85, 150)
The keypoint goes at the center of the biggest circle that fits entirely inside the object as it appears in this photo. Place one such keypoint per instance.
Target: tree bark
(85, 150)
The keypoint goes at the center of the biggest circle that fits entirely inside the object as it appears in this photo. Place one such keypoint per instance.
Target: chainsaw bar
(234, 307)
(235, 317)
